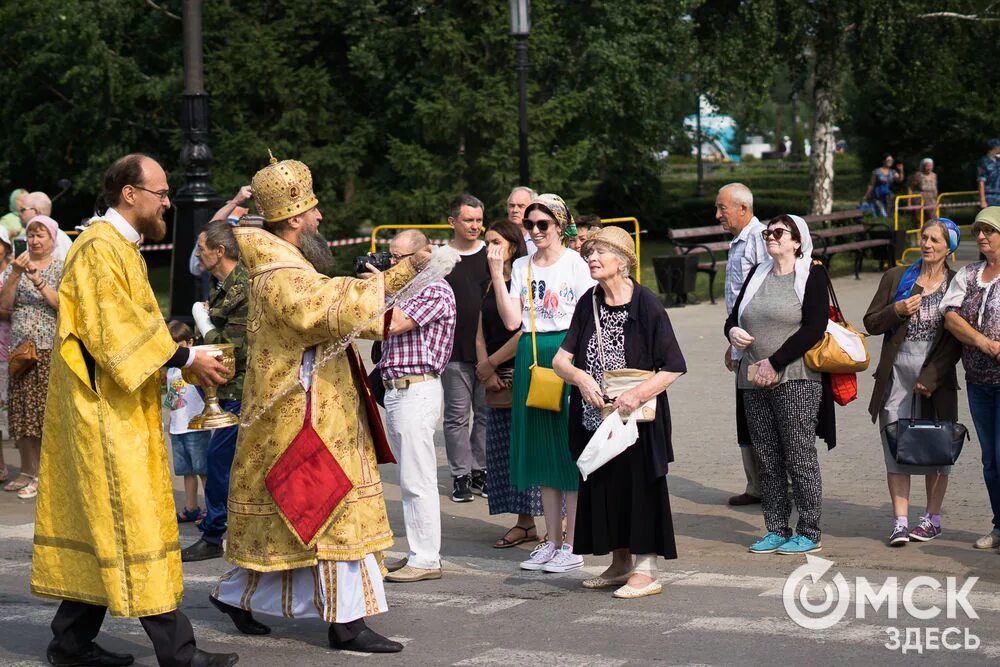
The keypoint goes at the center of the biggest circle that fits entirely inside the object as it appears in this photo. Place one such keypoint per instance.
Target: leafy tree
(931, 92)
(396, 106)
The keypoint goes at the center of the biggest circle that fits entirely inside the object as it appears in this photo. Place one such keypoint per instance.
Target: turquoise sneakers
(800, 544)
(768, 544)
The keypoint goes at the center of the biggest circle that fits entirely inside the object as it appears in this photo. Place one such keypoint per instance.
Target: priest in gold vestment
(299, 384)
(105, 528)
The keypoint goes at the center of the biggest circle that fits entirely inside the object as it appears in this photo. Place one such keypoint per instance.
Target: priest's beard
(153, 228)
(315, 249)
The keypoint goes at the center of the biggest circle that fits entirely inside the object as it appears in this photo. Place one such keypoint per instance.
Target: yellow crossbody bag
(545, 388)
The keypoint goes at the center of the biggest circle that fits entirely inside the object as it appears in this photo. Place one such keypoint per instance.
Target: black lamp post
(196, 200)
(520, 28)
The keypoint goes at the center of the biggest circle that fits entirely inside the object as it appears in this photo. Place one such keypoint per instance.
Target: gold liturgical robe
(294, 308)
(105, 525)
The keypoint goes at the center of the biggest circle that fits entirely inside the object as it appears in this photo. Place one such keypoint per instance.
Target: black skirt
(620, 507)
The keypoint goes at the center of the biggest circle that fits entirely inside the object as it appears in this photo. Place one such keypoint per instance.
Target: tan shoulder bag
(617, 382)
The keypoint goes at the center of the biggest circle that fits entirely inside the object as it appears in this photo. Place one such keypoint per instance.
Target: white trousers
(411, 416)
(337, 592)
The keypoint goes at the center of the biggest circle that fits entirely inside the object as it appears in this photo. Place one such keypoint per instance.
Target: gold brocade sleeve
(127, 338)
(397, 277)
(323, 308)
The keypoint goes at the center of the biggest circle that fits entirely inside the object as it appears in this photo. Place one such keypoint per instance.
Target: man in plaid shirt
(414, 354)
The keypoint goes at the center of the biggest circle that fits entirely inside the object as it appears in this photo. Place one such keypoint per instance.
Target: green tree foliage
(929, 89)
(82, 87)
(396, 105)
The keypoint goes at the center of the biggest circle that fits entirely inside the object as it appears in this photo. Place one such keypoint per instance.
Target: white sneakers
(564, 560)
(540, 555)
(547, 558)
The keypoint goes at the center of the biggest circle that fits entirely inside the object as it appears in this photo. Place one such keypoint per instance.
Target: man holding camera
(417, 346)
(463, 393)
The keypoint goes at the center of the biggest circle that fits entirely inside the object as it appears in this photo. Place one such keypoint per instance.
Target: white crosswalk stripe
(506, 657)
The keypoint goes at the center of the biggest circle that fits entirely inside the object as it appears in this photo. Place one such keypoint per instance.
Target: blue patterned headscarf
(913, 271)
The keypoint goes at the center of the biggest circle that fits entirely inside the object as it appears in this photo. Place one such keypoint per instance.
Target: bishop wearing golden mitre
(307, 520)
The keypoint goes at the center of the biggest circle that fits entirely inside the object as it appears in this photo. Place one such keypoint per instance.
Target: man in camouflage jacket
(223, 320)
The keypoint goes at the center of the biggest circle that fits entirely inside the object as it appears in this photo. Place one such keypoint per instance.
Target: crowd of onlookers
(29, 299)
(542, 298)
(930, 316)
(541, 333)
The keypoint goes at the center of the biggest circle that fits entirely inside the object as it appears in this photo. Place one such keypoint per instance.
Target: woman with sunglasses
(779, 314)
(539, 443)
(496, 347)
(918, 355)
(971, 308)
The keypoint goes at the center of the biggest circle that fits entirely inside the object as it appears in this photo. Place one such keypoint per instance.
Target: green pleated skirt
(539, 439)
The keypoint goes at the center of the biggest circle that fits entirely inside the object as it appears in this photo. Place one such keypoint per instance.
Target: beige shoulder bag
(617, 382)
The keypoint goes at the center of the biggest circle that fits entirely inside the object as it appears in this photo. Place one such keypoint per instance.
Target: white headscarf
(802, 266)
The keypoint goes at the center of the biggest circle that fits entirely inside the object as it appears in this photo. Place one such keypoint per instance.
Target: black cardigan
(815, 314)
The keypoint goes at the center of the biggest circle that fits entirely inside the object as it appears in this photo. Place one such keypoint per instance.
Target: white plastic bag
(610, 439)
(850, 342)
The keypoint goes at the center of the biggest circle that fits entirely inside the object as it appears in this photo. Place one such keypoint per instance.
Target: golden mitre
(283, 189)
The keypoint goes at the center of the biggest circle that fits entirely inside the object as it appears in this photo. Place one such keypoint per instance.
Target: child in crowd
(190, 446)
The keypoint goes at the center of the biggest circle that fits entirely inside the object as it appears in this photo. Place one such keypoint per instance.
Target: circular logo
(815, 604)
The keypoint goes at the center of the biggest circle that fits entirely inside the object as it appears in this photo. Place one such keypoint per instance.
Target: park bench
(829, 232)
(696, 241)
(831, 237)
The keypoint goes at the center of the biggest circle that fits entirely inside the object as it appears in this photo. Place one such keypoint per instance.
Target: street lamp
(196, 200)
(520, 28)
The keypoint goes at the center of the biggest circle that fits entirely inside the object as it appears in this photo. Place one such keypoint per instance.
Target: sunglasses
(543, 225)
(777, 233)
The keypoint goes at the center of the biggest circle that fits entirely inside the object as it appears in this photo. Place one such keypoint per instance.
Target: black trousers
(76, 625)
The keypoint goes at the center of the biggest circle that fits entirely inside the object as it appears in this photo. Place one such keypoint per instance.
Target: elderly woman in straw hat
(623, 507)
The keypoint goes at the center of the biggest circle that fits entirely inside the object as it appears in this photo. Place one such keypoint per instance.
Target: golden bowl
(213, 416)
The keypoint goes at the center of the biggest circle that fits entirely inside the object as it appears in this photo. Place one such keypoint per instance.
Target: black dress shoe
(94, 655)
(367, 641)
(242, 619)
(205, 659)
(201, 550)
(744, 499)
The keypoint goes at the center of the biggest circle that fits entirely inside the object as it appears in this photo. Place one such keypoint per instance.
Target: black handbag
(925, 442)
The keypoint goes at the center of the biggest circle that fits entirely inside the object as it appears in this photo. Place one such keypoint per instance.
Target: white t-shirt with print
(183, 401)
(557, 289)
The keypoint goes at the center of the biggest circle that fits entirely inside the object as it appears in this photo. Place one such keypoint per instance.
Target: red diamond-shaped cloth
(306, 482)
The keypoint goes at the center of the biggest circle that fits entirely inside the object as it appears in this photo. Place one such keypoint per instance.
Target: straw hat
(617, 238)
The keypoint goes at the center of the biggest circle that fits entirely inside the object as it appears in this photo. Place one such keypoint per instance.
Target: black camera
(380, 260)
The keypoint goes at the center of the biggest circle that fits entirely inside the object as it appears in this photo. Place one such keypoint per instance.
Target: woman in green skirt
(556, 277)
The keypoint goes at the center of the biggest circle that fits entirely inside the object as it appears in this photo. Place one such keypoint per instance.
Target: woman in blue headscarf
(917, 367)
